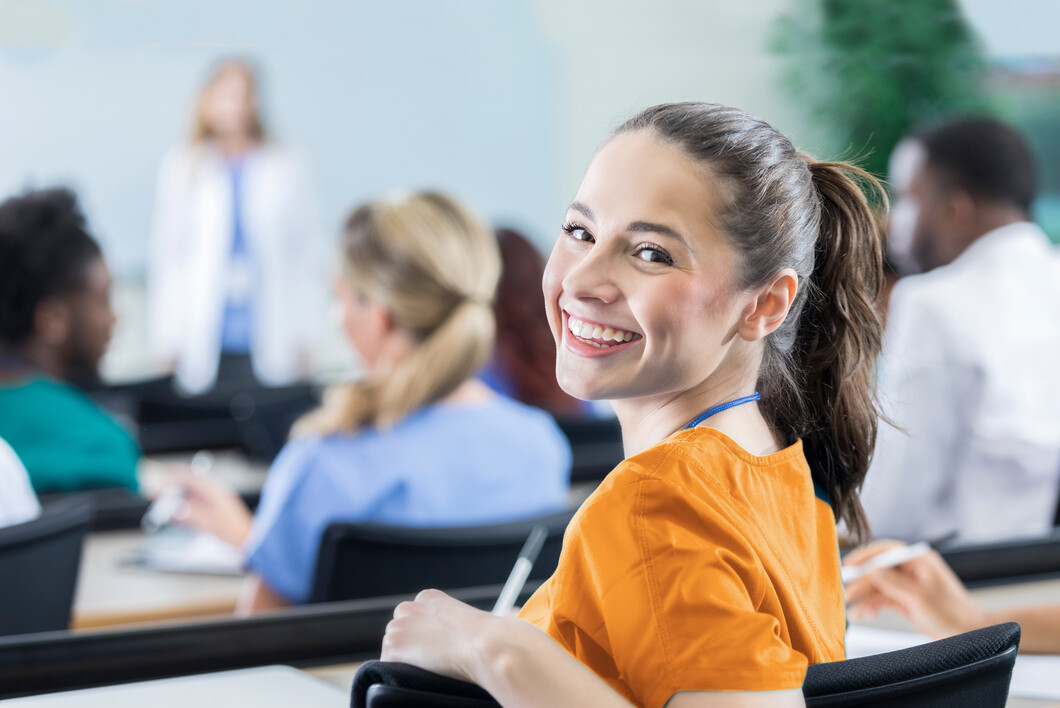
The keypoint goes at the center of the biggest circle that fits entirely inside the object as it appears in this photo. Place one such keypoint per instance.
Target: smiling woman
(719, 288)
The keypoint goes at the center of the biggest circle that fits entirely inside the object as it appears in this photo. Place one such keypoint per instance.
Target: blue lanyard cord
(756, 396)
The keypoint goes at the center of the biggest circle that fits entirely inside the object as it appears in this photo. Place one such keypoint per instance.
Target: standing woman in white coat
(235, 271)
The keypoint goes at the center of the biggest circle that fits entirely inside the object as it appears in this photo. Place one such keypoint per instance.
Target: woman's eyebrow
(582, 209)
(636, 226)
(649, 227)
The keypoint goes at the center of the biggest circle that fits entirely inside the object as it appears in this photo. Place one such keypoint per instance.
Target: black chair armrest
(384, 684)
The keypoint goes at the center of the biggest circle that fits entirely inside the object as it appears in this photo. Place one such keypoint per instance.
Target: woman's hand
(212, 506)
(438, 633)
(925, 590)
(514, 661)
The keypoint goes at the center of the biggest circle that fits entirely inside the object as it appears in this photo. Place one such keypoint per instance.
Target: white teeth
(588, 331)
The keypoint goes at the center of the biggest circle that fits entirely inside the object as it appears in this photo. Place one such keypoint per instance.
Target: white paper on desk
(1033, 677)
(186, 551)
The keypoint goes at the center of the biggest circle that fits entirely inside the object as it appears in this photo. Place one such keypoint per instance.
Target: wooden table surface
(110, 593)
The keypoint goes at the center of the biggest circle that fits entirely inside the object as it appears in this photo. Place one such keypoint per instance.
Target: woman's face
(641, 260)
(363, 321)
(228, 103)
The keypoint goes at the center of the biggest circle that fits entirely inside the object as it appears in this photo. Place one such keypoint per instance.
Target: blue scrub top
(445, 465)
(238, 312)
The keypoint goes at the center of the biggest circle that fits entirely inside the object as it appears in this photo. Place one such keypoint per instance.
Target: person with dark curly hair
(55, 324)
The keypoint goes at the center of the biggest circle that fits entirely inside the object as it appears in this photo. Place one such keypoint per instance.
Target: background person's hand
(925, 590)
(212, 506)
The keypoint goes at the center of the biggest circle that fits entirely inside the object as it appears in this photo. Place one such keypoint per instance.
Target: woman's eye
(652, 254)
(577, 232)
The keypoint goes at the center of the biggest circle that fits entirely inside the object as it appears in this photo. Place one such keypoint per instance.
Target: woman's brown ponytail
(839, 337)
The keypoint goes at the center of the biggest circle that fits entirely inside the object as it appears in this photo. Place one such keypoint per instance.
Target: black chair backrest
(1010, 560)
(39, 561)
(1056, 515)
(596, 446)
(305, 635)
(370, 560)
(969, 670)
(257, 418)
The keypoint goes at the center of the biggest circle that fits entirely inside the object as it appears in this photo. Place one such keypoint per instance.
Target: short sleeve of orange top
(696, 566)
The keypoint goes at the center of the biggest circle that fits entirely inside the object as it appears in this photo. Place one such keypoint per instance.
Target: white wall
(618, 56)
(411, 93)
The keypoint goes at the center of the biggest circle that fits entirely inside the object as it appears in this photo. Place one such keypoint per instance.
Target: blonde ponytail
(434, 266)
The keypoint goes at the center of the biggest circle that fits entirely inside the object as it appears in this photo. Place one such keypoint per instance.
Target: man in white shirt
(18, 503)
(969, 375)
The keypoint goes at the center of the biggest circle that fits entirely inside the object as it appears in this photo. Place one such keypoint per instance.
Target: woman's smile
(604, 338)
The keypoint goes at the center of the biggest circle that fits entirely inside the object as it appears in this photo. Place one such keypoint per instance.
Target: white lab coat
(18, 503)
(190, 249)
(971, 372)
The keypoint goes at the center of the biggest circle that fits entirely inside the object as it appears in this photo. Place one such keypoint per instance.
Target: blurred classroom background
(501, 104)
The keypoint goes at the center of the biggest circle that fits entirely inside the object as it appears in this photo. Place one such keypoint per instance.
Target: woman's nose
(593, 276)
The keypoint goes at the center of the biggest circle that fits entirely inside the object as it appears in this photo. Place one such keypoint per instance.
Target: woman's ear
(767, 310)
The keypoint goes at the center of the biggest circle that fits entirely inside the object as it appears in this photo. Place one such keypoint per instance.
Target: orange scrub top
(697, 566)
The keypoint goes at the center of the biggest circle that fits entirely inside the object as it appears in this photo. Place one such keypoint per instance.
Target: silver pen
(521, 571)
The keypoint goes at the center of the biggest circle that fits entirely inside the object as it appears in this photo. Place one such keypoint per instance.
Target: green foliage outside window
(870, 71)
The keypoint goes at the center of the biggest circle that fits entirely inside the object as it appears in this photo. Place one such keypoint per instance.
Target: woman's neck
(647, 421)
(234, 145)
(470, 392)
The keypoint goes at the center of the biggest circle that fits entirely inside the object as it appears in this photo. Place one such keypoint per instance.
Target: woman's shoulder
(281, 156)
(310, 451)
(705, 467)
(309, 463)
(495, 412)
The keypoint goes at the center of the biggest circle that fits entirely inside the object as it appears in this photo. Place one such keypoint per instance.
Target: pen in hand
(520, 572)
(887, 559)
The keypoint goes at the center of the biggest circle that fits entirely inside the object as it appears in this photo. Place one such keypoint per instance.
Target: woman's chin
(581, 389)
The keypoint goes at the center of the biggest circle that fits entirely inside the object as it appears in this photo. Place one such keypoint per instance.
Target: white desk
(109, 593)
(262, 687)
(230, 466)
(995, 598)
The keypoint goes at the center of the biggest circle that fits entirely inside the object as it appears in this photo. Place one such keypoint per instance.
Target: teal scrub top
(65, 440)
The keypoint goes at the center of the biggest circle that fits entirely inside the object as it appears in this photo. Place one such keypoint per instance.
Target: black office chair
(596, 446)
(1007, 561)
(969, 670)
(257, 419)
(372, 560)
(39, 560)
(1056, 514)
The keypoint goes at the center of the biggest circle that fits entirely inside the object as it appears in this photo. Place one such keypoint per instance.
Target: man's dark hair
(44, 253)
(985, 157)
